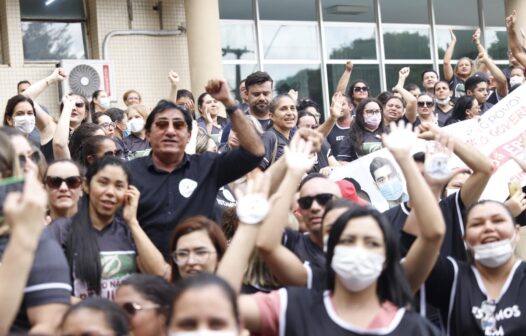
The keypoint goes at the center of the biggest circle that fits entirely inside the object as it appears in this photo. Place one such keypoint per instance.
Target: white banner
(496, 134)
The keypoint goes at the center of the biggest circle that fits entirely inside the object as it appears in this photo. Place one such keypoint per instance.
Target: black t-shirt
(275, 144)
(225, 199)
(167, 198)
(335, 138)
(48, 282)
(304, 248)
(371, 143)
(453, 211)
(307, 312)
(456, 85)
(442, 116)
(485, 107)
(458, 290)
(322, 158)
(117, 255)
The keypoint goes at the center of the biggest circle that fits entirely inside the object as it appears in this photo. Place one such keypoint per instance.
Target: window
(53, 29)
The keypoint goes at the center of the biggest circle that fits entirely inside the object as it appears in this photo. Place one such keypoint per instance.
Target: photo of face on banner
(388, 181)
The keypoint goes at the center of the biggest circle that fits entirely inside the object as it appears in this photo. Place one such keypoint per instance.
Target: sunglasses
(165, 123)
(54, 182)
(425, 103)
(79, 104)
(131, 307)
(306, 202)
(360, 88)
(116, 153)
(22, 158)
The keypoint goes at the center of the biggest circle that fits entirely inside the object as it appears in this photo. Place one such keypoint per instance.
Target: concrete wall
(140, 62)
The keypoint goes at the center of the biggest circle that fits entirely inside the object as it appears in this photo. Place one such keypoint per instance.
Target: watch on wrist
(252, 209)
(232, 109)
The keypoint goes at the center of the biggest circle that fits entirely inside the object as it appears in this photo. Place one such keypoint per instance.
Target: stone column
(204, 42)
(520, 7)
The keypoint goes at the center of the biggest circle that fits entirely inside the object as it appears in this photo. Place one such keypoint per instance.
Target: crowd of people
(220, 217)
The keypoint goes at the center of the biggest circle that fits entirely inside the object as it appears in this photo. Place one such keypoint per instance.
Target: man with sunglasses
(315, 191)
(174, 185)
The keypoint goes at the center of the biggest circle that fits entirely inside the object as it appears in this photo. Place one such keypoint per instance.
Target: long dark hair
(90, 146)
(459, 110)
(83, 132)
(11, 104)
(356, 132)
(392, 283)
(350, 93)
(82, 248)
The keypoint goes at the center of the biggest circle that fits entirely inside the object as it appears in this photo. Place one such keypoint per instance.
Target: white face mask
(136, 125)
(105, 102)
(516, 80)
(356, 267)
(442, 101)
(205, 332)
(494, 254)
(25, 123)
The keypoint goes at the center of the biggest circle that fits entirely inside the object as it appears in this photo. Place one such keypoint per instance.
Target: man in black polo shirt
(175, 185)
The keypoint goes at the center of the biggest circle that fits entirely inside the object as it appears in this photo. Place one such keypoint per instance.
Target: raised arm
(344, 79)
(58, 75)
(45, 124)
(472, 157)
(283, 263)
(448, 69)
(61, 136)
(149, 259)
(247, 136)
(24, 213)
(410, 100)
(425, 213)
(500, 78)
(336, 112)
(513, 40)
(252, 208)
(173, 77)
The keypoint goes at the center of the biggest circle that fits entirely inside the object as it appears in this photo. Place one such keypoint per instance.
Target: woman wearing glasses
(104, 121)
(365, 132)
(62, 181)
(358, 91)
(197, 246)
(96, 147)
(147, 301)
(103, 249)
(426, 109)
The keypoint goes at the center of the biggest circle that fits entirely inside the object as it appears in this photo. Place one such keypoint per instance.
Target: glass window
(350, 42)
(464, 46)
(52, 9)
(53, 40)
(494, 13)
(235, 73)
(289, 40)
(235, 10)
(406, 42)
(238, 40)
(455, 12)
(348, 10)
(295, 10)
(306, 79)
(497, 44)
(398, 11)
(415, 76)
(367, 72)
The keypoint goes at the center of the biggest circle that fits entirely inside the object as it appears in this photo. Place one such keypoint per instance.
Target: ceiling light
(348, 9)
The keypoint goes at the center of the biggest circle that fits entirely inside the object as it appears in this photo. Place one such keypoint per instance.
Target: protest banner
(496, 134)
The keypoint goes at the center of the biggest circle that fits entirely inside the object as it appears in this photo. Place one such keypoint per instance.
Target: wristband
(252, 209)
(233, 109)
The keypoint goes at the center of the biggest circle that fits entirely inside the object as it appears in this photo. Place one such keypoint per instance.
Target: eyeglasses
(132, 307)
(360, 89)
(116, 153)
(306, 202)
(54, 182)
(181, 257)
(425, 103)
(79, 104)
(373, 112)
(165, 123)
(22, 158)
(108, 125)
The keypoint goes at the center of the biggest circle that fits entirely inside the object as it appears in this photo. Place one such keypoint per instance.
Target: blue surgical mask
(392, 190)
